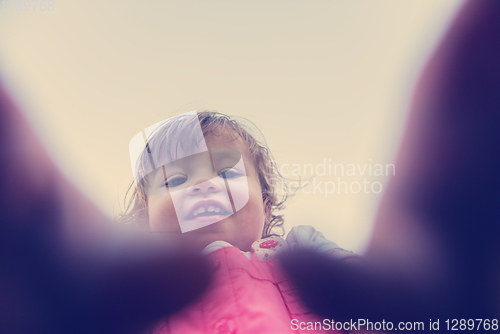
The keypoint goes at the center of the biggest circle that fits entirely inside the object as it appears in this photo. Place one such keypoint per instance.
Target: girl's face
(214, 195)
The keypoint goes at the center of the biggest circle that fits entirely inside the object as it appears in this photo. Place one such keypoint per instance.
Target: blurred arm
(63, 267)
(434, 250)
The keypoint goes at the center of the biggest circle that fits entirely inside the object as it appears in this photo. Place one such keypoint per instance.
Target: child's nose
(209, 185)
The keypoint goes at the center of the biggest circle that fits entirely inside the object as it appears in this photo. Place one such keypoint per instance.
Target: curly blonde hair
(178, 130)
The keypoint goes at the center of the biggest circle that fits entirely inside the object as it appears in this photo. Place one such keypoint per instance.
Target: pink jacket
(245, 297)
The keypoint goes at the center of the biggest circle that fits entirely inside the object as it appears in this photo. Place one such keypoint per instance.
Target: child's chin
(205, 222)
(207, 219)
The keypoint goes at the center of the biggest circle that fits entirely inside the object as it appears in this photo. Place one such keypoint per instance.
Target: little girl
(204, 180)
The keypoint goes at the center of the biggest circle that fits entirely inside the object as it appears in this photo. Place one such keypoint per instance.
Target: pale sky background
(323, 80)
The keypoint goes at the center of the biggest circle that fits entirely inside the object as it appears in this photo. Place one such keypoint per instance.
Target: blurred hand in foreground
(63, 267)
(434, 251)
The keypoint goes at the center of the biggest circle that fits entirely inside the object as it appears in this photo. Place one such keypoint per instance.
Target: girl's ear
(268, 214)
(141, 212)
(144, 201)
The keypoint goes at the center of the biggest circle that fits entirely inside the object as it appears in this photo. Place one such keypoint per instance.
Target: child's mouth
(212, 210)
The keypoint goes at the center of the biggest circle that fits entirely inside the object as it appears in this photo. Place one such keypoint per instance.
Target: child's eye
(175, 181)
(229, 174)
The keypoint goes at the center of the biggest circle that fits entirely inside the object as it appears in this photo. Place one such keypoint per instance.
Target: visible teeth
(199, 210)
(211, 208)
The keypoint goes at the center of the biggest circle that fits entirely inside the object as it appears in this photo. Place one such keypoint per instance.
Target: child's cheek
(254, 207)
(162, 216)
(239, 192)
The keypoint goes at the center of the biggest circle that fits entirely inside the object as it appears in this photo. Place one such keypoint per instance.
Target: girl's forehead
(164, 143)
(227, 145)
(227, 140)
(231, 140)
